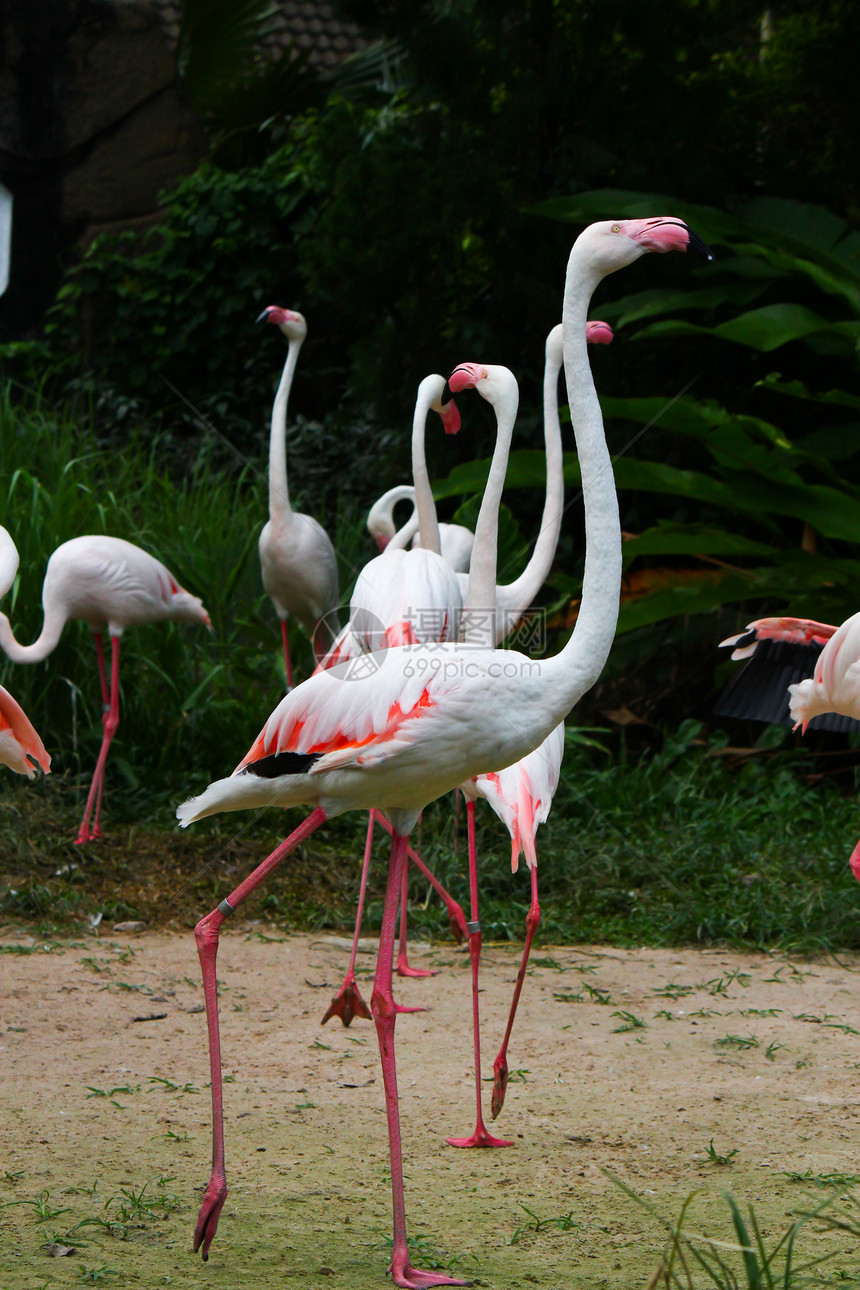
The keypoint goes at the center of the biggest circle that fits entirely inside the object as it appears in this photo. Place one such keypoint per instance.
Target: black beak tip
(447, 396)
(700, 247)
(263, 316)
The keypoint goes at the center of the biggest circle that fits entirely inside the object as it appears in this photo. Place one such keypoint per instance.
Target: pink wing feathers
(21, 749)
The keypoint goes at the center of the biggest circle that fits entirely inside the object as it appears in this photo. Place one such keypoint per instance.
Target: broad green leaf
(669, 538)
(797, 390)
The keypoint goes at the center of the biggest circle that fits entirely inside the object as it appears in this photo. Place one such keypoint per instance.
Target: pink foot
(207, 1219)
(403, 969)
(346, 1004)
(500, 1086)
(480, 1138)
(402, 1273)
(401, 1007)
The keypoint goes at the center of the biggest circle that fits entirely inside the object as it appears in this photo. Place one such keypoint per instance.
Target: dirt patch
(104, 1066)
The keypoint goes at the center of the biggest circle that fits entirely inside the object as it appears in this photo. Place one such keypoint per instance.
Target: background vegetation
(418, 219)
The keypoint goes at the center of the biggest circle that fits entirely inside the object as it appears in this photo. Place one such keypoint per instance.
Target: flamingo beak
(263, 316)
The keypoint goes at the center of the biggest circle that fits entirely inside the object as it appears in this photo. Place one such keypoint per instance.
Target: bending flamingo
(110, 584)
(297, 559)
(429, 717)
(455, 540)
(21, 749)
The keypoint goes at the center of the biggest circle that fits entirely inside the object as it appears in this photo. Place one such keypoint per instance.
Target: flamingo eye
(616, 228)
(484, 374)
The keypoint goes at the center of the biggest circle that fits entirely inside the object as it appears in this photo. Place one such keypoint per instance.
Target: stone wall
(94, 122)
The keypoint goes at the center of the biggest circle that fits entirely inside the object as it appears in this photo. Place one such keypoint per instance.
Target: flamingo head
(20, 747)
(292, 324)
(599, 333)
(381, 540)
(612, 244)
(490, 380)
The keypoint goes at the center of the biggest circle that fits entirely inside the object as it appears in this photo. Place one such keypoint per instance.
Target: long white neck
(515, 597)
(380, 519)
(279, 497)
(429, 393)
(47, 640)
(481, 592)
(581, 661)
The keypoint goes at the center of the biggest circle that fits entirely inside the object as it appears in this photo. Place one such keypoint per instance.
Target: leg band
(472, 928)
(225, 908)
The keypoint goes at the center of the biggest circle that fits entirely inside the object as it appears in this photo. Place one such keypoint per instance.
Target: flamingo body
(835, 684)
(110, 584)
(297, 560)
(521, 795)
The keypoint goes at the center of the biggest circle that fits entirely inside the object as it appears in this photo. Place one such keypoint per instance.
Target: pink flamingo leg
(480, 1138)
(348, 1003)
(403, 968)
(456, 917)
(385, 1015)
(500, 1065)
(287, 662)
(206, 933)
(110, 723)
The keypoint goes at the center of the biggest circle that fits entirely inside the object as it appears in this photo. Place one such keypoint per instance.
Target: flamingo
(778, 652)
(455, 540)
(512, 599)
(21, 749)
(110, 584)
(297, 559)
(427, 718)
(401, 597)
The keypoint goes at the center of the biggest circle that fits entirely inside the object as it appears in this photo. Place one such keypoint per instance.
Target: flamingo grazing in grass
(21, 749)
(110, 584)
(455, 540)
(426, 718)
(297, 559)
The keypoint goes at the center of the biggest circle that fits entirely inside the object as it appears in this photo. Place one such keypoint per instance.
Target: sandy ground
(104, 1074)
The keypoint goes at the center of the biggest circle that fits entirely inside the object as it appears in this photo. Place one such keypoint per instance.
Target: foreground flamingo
(110, 584)
(21, 749)
(429, 717)
(297, 559)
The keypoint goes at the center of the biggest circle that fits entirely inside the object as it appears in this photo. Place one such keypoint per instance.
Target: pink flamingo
(21, 749)
(456, 541)
(110, 584)
(297, 559)
(778, 652)
(401, 597)
(429, 717)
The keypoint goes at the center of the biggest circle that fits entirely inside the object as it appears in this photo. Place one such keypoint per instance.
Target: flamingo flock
(414, 697)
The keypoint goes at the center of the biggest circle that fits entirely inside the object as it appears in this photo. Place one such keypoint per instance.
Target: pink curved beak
(382, 541)
(464, 377)
(599, 333)
(275, 314)
(450, 417)
(664, 233)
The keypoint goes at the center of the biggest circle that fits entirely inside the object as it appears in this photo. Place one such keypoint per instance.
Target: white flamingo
(455, 540)
(429, 717)
(111, 585)
(297, 559)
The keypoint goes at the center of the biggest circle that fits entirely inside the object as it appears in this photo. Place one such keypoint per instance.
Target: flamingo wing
(21, 749)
